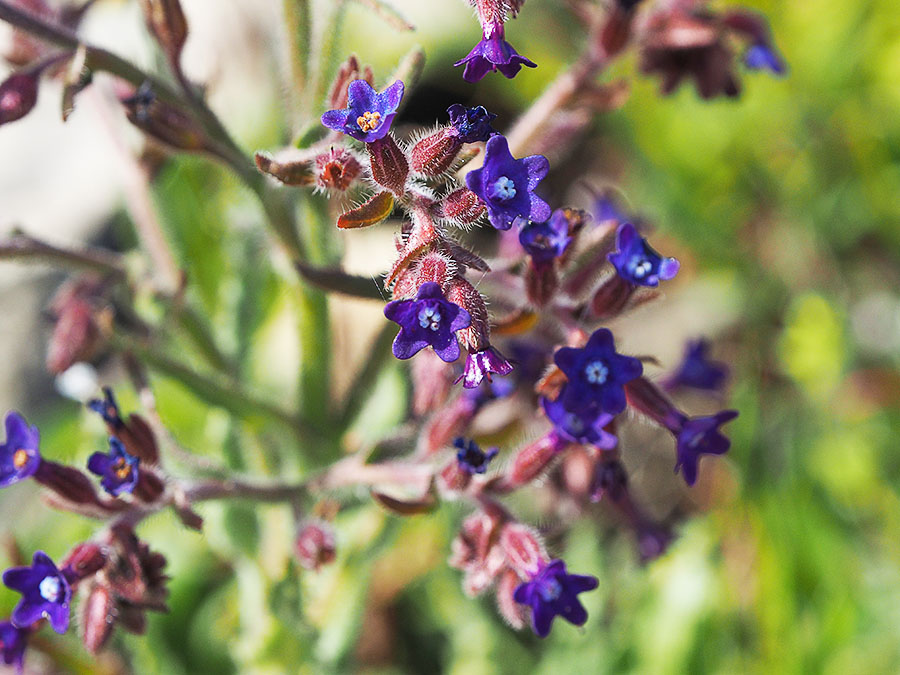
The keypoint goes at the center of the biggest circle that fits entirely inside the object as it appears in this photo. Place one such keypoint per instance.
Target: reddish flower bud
(475, 552)
(139, 439)
(164, 122)
(617, 30)
(18, 95)
(315, 545)
(462, 206)
(611, 298)
(453, 478)
(97, 617)
(477, 336)
(337, 169)
(434, 154)
(149, 487)
(446, 424)
(349, 71)
(388, 164)
(69, 483)
(646, 397)
(84, 561)
(532, 460)
(541, 282)
(523, 549)
(515, 614)
(432, 380)
(434, 267)
(166, 21)
(292, 168)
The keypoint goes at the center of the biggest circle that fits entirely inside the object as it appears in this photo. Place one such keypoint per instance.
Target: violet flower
(19, 456)
(12, 644)
(597, 374)
(107, 408)
(482, 365)
(548, 240)
(637, 262)
(368, 114)
(493, 53)
(700, 436)
(506, 185)
(585, 427)
(553, 592)
(471, 125)
(697, 370)
(45, 593)
(118, 469)
(760, 56)
(471, 458)
(430, 319)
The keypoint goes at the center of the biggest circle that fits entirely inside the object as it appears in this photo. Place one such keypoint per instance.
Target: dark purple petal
(482, 365)
(99, 463)
(697, 370)
(700, 436)
(429, 319)
(471, 125)
(553, 592)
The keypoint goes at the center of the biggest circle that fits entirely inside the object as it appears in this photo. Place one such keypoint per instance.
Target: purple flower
(368, 114)
(19, 456)
(605, 208)
(637, 262)
(700, 436)
(45, 593)
(493, 53)
(760, 56)
(108, 409)
(430, 319)
(481, 365)
(118, 469)
(596, 374)
(471, 125)
(506, 185)
(471, 458)
(548, 240)
(551, 593)
(585, 427)
(609, 480)
(12, 644)
(696, 370)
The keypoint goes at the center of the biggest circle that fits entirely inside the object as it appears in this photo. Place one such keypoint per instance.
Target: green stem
(298, 21)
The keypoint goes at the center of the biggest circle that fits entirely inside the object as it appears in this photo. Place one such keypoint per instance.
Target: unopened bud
(541, 282)
(476, 337)
(453, 478)
(18, 95)
(315, 545)
(349, 71)
(164, 122)
(462, 207)
(388, 164)
(434, 154)
(69, 483)
(611, 298)
(523, 549)
(617, 29)
(432, 379)
(434, 267)
(532, 460)
(166, 21)
(84, 561)
(97, 617)
(139, 439)
(446, 424)
(337, 169)
(293, 169)
(514, 613)
(149, 487)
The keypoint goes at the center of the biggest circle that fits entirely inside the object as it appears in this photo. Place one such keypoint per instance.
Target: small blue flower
(606, 208)
(553, 592)
(700, 436)
(585, 427)
(45, 593)
(760, 56)
(596, 374)
(430, 319)
(637, 262)
(118, 469)
(19, 456)
(548, 240)
(471, 458)
(482, 365)
(368, 114)
(471, 125)
(506, 185)
(108, 409)
(697, 370)
(493, 53)
(12, 644)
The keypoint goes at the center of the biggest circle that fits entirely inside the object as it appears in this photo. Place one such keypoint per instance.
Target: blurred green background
(786, 201)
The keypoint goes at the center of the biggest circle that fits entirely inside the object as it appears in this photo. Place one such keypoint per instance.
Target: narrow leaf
(341, 282)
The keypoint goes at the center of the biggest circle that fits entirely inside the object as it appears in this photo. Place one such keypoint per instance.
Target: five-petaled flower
(587, 426)
(430, 319)
(637, 262)
(506, 185)
(471, 458)
(46, 593)
(12, 644)
(548, 240)
(118, 469)
(596, 374)
(368, 114)
(482, 365)
(697, 370)
(553, 592)
(700, 436)
(493, 53)
(19, 456)
(471, 125)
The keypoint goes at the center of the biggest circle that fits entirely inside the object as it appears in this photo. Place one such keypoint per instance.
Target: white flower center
(430, 317)
(641, 267)
(504, 189)
(596, 372)
(50, 589)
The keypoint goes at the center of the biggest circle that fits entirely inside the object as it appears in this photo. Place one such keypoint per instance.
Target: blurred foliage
(791, 193)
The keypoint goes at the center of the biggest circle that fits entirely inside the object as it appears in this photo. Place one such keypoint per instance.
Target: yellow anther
(369, 121)
(122, 469)
(20, 458)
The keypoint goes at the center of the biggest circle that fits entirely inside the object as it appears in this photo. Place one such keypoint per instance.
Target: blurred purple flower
(586, 427)
(471, 458)
(548, 240)
(12, 644)
(700, 436)
(553, 592)
(19, 456)
(118, 469)
(45, 593)
(637, 262)
(760, 56)
(697, 370)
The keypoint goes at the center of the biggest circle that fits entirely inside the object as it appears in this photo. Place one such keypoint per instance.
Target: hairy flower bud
(462, 206)
(477, 337)
(432, 380)
(293, 169)
(97, 617)
(149, 487)
(315, 545)
(532, 460)
(348, 72)
(70, 484)
(541, 282)
(515, 613)
(434, 267)
(611, 298)
(435, 153)
(337, 169)
(523, 549)
(165, 122)
(453, 478)
(84, 561)
(388, 164)
(18, 95)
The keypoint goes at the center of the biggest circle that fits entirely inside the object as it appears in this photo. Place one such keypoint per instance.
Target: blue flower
(700, 436)
(696, 370)
(506, 185)
(108, 409)
(493, 53)
(548, 240)
(471, 458)
(118, 469)
(471, 125)
(368, 114)
(760, 56)
(585, 427)
(19, 456)
(45, 593)
(551, 593)
(637, 262)
(596, 374)
(430, 319)
(12, 644)
(481, 365)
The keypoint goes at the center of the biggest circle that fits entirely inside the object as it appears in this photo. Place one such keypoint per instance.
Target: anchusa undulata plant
(501, 295)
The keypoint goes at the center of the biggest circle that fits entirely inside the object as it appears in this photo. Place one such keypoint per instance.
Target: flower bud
(337, 169)
(477, 336)
(646, 397)
(532, 460)
(541, 282)
(514, 612)
(149, 487)
(388, 164)
(166, 21)
(349, 71)
(69, 483)
(446, 424)
(611, 298)
(164, 122)
(432, 379)
(84, 561)
(434, 267)
(462, 207)
(523, 549)
(617, 29)
(18, 95)
(315, 545)
(97, 617)
(453, 478)
(434, 154)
